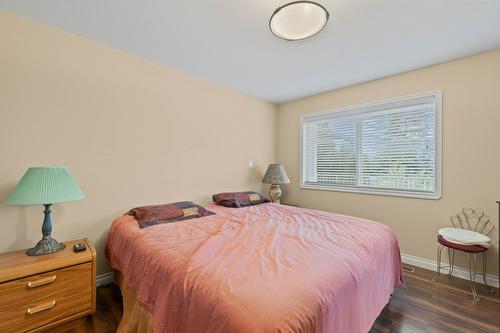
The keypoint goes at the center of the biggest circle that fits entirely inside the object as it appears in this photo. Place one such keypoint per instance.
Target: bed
(263, 268)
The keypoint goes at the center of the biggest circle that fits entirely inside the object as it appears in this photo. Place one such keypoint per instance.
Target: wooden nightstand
(289, 204)
(52, 292)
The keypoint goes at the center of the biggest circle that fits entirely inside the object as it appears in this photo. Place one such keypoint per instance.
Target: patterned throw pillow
(147, 216)
(239, 199)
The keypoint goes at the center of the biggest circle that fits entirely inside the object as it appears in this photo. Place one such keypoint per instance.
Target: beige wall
(132, 132)
(471, 150)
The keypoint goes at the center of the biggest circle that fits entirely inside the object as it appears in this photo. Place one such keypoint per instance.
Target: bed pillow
(147, 216)
(239, 199)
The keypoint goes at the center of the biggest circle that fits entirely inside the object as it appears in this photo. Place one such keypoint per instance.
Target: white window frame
(373, 107)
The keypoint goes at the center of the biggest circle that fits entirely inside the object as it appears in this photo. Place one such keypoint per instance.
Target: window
(389, 147)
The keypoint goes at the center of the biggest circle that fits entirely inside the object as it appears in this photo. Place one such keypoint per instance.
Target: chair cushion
(464, 237)
(460, 247)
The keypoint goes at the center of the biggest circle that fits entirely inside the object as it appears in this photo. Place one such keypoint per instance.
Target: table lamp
(45, 186)
(275, 175)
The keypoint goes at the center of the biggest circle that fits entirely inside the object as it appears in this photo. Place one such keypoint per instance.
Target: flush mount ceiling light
(298, 20)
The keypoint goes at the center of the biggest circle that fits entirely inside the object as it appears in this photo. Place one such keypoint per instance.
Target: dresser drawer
(38, 300)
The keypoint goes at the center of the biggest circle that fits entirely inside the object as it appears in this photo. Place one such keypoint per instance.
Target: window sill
(430, 196)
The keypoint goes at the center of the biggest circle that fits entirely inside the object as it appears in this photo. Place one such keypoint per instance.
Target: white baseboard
(459, 272)
(104, 279)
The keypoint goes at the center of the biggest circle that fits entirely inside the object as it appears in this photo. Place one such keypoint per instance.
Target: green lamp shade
(45, 185)
(275, 174)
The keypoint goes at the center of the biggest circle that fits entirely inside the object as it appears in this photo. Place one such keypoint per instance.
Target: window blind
(389, 147)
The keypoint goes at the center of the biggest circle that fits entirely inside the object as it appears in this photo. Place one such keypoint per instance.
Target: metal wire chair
(474, 220)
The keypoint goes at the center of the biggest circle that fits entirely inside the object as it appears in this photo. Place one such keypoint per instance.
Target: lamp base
(275, 193)
(45, 246)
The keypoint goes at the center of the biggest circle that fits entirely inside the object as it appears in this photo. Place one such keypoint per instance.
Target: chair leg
(452, 262)
(439, 250)
(451, 259)
(472, 275)
(491, 290)
(484, 268)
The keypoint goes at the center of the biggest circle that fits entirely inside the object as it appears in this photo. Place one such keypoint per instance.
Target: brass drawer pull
(41, 282)
(40, 308)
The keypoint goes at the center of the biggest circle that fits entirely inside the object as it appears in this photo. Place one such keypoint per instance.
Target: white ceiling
(228, 41)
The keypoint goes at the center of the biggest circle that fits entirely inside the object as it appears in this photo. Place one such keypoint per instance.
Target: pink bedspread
(265, 268)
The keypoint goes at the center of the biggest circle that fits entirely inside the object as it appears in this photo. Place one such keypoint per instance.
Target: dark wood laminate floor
(422, 307)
